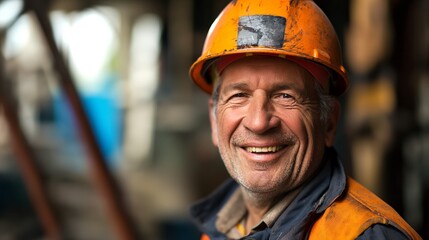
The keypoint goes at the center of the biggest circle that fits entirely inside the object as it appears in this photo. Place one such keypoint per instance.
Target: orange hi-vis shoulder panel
(355, 211)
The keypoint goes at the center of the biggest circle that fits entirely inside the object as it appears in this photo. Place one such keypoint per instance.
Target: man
(273, 69)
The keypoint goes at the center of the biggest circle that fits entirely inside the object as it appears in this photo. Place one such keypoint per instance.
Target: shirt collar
(235, 211)
(231, 213)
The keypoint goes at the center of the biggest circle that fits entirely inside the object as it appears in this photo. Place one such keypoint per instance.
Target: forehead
(265, 70)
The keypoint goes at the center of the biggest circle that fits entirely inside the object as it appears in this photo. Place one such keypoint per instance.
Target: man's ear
(331, 124)
(213, 122)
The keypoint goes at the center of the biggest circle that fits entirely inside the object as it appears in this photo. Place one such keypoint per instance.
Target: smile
(271, 149)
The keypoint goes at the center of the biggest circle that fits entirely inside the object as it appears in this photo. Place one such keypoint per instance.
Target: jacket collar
(317, 195)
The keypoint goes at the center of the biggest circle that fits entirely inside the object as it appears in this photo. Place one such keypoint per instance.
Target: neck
(257, 205)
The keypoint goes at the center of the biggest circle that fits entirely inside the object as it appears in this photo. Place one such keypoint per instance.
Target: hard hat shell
(286, 28)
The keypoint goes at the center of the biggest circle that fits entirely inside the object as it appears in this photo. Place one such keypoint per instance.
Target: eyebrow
(291, 86)
(235, 86)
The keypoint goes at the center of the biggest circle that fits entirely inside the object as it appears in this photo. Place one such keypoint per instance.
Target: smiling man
(274, 72)
(266, 123)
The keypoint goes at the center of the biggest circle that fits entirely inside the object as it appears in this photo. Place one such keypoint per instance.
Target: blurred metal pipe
(27, 163)
(99, 171)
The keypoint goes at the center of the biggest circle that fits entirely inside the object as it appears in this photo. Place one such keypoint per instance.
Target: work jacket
(329, 206)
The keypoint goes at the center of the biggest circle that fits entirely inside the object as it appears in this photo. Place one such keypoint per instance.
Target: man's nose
(259, 117)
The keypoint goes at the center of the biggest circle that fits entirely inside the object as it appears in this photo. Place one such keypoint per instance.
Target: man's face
(267, 124)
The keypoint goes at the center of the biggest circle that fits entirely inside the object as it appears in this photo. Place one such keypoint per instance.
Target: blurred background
(104, 136)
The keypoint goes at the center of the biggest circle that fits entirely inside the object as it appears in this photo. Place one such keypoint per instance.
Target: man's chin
(260, 189)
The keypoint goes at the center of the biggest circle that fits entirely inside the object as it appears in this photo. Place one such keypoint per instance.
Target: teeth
(263, 149)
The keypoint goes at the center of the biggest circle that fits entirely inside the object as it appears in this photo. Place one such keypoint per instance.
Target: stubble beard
(236, 171)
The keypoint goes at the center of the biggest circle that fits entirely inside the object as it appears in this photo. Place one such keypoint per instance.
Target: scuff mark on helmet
(294, 42)
(293, 2)
(294, 33)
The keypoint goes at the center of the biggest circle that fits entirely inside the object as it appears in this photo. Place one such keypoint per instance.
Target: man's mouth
(271, 149)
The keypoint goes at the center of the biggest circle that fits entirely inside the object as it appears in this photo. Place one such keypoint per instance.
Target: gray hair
(326, 102)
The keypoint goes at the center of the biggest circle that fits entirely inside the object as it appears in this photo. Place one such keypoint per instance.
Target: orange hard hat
(297, 30)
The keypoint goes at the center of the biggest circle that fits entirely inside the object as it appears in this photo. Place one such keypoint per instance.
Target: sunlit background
(128, 61)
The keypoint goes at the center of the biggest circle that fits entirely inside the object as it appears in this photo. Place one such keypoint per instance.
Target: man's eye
(238, 95)
(284, 98)
(285, 95)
